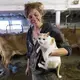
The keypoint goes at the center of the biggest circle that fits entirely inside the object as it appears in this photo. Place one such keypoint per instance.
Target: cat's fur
(48, 45)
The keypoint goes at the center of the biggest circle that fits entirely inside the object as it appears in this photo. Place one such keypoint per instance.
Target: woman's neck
(36, 31)
(38, 27)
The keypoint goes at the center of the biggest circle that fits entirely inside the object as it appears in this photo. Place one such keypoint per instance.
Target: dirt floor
(70, 68)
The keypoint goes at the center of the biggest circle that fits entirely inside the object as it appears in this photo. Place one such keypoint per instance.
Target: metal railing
(9, 28)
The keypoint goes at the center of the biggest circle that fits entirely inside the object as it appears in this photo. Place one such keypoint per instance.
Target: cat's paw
(42, 66)
(37, 50)
(39, 64)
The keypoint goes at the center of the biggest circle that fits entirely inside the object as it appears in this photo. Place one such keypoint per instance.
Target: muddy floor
(70, 68)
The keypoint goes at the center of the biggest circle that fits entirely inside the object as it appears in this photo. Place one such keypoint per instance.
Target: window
(11, 26)
(3, 24)
(16, 24)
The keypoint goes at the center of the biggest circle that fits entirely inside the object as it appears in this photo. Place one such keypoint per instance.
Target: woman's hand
(27, 71)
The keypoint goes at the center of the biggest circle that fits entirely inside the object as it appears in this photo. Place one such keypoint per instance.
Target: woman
(34, 12)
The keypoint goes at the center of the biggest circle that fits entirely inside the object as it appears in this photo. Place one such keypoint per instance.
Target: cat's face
(43, 38)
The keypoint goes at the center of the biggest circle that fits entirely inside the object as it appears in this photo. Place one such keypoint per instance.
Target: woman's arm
(59, 52)
(63, 46)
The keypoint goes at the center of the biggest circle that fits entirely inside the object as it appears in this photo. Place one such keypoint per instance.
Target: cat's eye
(39, 38)
(43, 38)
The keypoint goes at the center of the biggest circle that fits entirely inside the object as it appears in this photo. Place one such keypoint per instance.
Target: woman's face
(35, 17)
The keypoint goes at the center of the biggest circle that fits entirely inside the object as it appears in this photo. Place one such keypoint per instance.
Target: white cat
(48, 45)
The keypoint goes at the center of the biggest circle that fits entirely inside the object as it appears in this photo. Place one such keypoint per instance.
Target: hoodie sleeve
(60, 39)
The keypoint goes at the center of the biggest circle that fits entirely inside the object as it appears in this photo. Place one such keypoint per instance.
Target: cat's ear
(52, 40)
(48, 33)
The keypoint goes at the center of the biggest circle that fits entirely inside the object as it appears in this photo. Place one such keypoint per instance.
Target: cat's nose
(41, 42)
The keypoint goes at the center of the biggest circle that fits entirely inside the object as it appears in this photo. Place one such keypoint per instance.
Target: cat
(48, 45)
